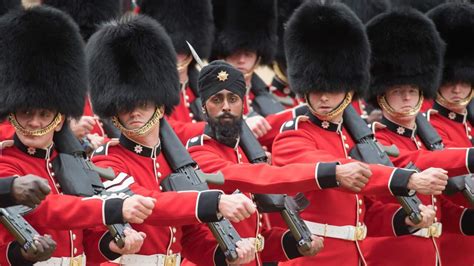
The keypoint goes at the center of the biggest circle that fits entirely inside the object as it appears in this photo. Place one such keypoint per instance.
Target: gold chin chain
(279, 73)
(184, 64)
(335, 112)
(155, 119)
(448, 104)
(389, 109)
(36, 132)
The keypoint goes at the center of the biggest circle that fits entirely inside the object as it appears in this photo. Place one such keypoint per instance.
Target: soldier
(400, 81)
(134, 81)
(328, 60)
(43, 84)
(455, 23)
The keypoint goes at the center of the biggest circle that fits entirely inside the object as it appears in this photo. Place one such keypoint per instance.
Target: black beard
(226, 132)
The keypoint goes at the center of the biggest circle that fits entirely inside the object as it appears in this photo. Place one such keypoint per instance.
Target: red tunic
(407, 249)
(309, 140)
(148, 167)
(61, 216)
(455, 131)
(6, 130)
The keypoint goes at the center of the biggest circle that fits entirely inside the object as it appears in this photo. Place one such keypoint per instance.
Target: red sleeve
(204, 253)
(452, 217)
(275, 121)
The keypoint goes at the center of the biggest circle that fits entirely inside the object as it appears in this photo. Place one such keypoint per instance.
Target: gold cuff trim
(155, 119)
(37, 132)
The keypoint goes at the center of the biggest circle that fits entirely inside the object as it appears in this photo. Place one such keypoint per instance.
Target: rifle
(196, 105)
(110, 130)
(186, 177)
(263, 103)
(288, 207)
(433, 142)
(369, 150)
(80, 177)
(12, 219)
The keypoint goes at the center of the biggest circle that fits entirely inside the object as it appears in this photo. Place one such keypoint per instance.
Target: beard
(226, 131)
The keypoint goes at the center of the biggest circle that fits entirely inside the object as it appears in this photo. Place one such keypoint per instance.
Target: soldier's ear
(60, 125)
(162, 111)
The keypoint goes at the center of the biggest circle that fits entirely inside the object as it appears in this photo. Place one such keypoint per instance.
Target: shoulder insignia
(377, 126)
(6, 144)
(104, 149)
(197, 141)
(293, 124)
(429, 113)
(301, 109)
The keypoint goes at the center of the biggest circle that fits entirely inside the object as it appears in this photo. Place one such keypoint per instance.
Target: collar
(282, 87)
(396, 128)
(140, 149)
(460, 118)
(208, 131)
(34, 152)
(324, 124)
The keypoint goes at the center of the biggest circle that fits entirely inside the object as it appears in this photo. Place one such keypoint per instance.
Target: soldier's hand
(45, 247)
(428, 215)
(375, 116)
(259, 125)
(82, 127)
(236, 207)
(317, 244)
(133, 242)
(95, 140)
(137, 208)
(353, 176)
(245, 250)
(431, 181)
(30, 190)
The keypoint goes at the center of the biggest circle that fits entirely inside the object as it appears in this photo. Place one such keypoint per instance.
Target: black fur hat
(42, 62)
(6, 5)
(367, 9)
(131, 61)
(455, 24)
(88, 14)
(422, 5)
(327, 49)
(284, 11)
(406, 50)
(245, 25)
(184, 20)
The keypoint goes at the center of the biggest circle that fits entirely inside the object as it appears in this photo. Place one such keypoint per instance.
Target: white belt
(151, 260)
(347, 232)
(64, 261)
(435, 230)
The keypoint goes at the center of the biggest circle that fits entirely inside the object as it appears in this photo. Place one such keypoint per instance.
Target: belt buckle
(360, 232)
(434, 230)
(259, 243)
(76, 261)
(170, 260)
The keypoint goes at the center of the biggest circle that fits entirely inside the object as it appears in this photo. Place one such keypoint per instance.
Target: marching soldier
(134, 81)
(455, 23)
(43, 84)
(328, 60)
(400, 81)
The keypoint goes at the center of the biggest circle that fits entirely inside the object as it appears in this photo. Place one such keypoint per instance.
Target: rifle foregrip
(21, 230)
(410, 206)
(226, 237)
(298, 229)
(117, 232)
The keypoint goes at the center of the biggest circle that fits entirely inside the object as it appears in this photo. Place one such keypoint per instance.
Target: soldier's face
(455, 92)
(325, 102)
(402, 98)
(37, 119)
(243, 60)
(224, 105)
(137, 117)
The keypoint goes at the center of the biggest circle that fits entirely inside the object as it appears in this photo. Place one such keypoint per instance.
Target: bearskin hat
(6, 5)
(367, 9)
(406, 50)
(284, 11)
(42, 62)
(245, 25)
(88, 14)
(421, 5)
(327, 49)
(455, 24)
(184, 20)
(131, 61)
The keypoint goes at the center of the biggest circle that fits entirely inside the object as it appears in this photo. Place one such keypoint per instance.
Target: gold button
(250, 101)
(191, 115)
(161, 188)
(194, 121)
(53, 174)
(174, 230)
(435, 220)
(468, 129)
(50, 165)
(360, 210)
(435, 200)
(344, 137)
(187, 104)
(174, 239)
(159, 174)
(157, 165)
(360, 202)
(261, 216)
(75, 251)
(58, 185)
(346, 145)
(359, 224)
(260, 224)
(436, 208)
(170, 252)
(469, 137)
(349, 157)
(73, 236)
(186, 97)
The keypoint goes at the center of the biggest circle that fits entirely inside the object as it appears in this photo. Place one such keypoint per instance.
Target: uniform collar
(282, 87)
(460, 118)
(34, 152)
(324, 124)
(399, 129)
(140, 149)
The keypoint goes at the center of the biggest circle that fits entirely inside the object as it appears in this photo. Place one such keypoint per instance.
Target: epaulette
(197, 141)
(376, 126)
(301, 109)
(104, 149)
(429, 113)
(5, 144)
(293, 124)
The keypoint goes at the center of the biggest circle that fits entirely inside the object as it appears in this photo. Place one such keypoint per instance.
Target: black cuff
(6, 198)
(399, 182)
(208, 206)
(104, 247)
(467, 222)
(113, 211)
(290, 246)
(219, 257)
(470, 160)
(15, 257)
(400, 227)
(326, 175)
